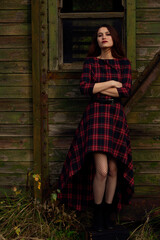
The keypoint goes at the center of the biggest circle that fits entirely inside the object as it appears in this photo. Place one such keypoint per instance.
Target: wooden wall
(15, 93)
(144, 124)
(147, 31)
(66, 106)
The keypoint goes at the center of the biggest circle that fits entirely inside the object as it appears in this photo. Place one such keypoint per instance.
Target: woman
(98, 165)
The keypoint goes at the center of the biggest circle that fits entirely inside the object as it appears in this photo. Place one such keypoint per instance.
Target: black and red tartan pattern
(103, 127)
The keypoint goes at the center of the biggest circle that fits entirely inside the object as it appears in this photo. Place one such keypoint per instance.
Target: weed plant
(22, 217)
(150, 229)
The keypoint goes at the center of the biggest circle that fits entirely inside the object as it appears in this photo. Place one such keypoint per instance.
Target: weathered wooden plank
(93, 15)
(59, 82)
(148, 4)
(60, 142)
(7, 155)
(156, 82)
(15, 42)
(15, 54)
(147, 167)
(62, 130)
(15, 29)
(146, 53)
(131, 32)
(16, 104)
(15, 67)
(53, 34)
(153, 91)
(144, 130)
(147, 104)
(16, 4)
(15, 130)
(147, 27)
(63, 75)
(144, 117)
(16, 142)
(18, 16)
(15, 118)
(147, 179)
(148, 76)
(40, 94)
(15, 80)
(64, 92)
(143, 40)
(145, 142)
(55, 168)
(15, 167)
(14, 179)
(57, 155)
(43, 35)
(147, 191)
(141, 64)
(138, 155)
(63, 117)
(67, 104)
(15, 92)
(36, 92)
(148, 15)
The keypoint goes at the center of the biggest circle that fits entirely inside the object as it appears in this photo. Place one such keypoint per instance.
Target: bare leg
(111, 181)
(99, 181)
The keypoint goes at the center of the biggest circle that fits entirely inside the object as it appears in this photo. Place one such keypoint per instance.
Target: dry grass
(21, 218)
(150, 229)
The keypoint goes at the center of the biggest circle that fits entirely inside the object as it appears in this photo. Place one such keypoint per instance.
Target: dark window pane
(92, 6)
(78, 33)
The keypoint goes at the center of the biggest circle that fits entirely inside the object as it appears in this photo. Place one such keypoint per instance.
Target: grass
(21, 218)
(24, 218)
(149, 229)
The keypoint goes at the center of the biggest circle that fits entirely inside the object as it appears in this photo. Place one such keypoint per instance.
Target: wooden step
(118, 233)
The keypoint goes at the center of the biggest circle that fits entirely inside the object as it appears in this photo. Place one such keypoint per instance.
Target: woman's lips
(104, 41)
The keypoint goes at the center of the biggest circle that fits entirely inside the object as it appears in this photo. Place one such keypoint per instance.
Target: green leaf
(54, 196)
(58, 190)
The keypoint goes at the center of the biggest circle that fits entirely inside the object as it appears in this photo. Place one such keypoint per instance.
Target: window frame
(56, 32)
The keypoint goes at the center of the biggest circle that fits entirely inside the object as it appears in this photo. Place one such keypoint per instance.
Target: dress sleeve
(86, 84)
(125, 90)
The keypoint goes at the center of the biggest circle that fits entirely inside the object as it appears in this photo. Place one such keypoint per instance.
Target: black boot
(98, 217)
(108, 210)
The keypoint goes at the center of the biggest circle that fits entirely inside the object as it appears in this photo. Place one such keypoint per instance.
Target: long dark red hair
(117, 49)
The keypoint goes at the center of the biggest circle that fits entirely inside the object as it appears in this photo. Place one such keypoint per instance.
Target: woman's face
(104, 38)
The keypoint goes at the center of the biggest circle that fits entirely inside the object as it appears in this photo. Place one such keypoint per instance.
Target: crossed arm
(110, 88)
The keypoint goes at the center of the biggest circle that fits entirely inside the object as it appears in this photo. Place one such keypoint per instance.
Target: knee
(112, 171)
(102, 174)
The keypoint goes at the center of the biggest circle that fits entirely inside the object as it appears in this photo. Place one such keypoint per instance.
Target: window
(77, 22)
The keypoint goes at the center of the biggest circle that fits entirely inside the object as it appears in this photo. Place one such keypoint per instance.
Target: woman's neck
(105, 54)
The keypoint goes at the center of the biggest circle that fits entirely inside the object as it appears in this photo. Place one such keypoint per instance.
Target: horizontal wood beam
(92, 15)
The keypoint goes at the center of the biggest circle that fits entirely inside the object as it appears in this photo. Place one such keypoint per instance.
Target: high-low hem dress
(103, 128)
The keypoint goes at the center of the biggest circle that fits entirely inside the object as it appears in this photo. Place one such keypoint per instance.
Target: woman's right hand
(116, 84)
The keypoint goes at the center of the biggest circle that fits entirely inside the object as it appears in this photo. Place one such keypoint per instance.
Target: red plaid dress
(103, 127)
